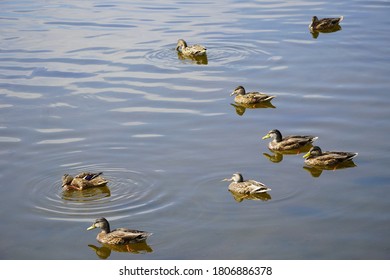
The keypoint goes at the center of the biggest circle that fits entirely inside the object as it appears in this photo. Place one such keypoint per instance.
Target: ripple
(166, 56)
(61, 141)
(162, 110)
(9, 139)
(90, 24)
(216, 55)
(128, 192)
(227, 55)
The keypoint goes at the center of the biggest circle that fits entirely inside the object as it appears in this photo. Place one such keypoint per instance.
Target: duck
(290, 142)
(190, 51)
(247, 187)
(119, 236)
(324, 23)
(243, 97)
(315, 157)
(82, 181)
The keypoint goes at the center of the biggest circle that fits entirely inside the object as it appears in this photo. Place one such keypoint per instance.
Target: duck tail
(89, 177)
(353, 155)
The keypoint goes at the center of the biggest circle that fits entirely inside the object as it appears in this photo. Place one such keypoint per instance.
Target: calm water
(99, 87)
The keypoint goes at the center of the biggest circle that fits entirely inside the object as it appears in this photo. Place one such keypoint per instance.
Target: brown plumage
(315, 157)
(244, 97)
(241, 186)
(190, 51)
(290, 142)
(82, 181)
(119, 236)
(324, 23)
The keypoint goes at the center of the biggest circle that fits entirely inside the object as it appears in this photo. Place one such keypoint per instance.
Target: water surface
(99, 87)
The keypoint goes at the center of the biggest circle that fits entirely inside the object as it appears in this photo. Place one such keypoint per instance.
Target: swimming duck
(119, 236)
(315, 157)
(244, 97)
(324, 23)
(245, 187)
(82, 181)
(191, 51)
(291, 142)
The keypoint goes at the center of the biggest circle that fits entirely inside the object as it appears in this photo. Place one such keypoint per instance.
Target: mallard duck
(315, 157)
(82, 181)
(119, 236)
(324, 23)
(191, 51)
(245, 187)
(244, 97)
(290, 142)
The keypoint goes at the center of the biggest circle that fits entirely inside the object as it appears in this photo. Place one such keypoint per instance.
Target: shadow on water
(103, 251)
(241, 108)
(202, 59)
(317, 171)
(86, 195)
(316, 33)
(277, 156)
(258, 196)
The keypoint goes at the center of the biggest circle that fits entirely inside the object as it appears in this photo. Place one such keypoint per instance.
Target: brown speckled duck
(119, 236)
(324, 23)
(241, 186)
(190, 51)
(243, 97)
(315, 157)
(290, 142)
(82, 181)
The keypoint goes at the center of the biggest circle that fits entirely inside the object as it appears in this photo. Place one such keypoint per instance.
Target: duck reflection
(317, 170)
(277, 156)
(87, 194)
(240, 108)
(201, 59)
(104, 250)
(316, 33)
(239, 197)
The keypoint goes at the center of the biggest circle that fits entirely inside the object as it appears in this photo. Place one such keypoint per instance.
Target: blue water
(98, 86)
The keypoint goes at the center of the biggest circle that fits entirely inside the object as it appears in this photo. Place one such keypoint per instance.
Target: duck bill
(233, 93)
(266, 136)
(306, 155)
(91, 227)
(226, 179)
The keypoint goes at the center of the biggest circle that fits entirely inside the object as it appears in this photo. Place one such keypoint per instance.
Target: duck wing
(329, 22)
(128, 235)
(259, 97)
(296, 141)
(340, 156)
(256, 187)
(197, 50)
(98, 181)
